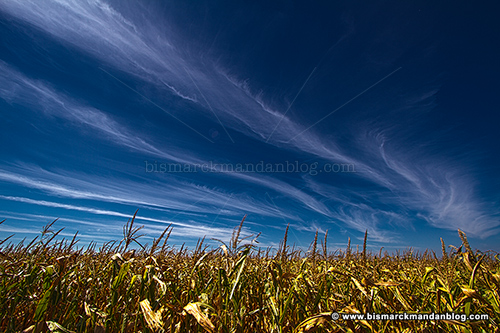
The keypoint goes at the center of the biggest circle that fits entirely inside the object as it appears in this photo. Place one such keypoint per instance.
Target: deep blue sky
(397, 99)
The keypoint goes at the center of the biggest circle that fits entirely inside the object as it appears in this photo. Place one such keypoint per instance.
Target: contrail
(340, 107)
(284, 114)
(210, 106)
(159, 107)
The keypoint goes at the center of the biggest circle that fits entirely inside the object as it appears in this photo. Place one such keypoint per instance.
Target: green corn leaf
(41, 308)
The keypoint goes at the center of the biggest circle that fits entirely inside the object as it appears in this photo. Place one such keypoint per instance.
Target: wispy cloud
(118, 42)
(442, 191)
(173, 197)
(191, 229)
(17, 88)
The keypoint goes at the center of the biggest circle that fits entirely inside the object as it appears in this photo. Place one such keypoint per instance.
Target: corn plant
(51, 285)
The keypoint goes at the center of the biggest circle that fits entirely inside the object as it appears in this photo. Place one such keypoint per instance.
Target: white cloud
(435, 186)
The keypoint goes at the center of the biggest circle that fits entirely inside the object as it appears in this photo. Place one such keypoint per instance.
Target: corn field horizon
(51, 285)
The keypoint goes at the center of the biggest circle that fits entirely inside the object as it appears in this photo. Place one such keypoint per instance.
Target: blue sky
(341, 116)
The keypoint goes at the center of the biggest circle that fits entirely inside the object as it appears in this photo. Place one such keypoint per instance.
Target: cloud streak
(391, 184)
(187, 230)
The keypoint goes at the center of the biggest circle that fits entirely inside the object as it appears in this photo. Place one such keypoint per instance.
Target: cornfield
(51, 285)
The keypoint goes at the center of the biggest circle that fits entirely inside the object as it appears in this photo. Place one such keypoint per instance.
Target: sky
(338, 116)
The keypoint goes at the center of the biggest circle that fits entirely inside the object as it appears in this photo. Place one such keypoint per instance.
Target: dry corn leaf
(87, 309)
(470, 293)
(29, 329)
(40, 327)
(387, 284)
(333, 270)
(117, 257)
(359, 286)
(55, 327)
(153, 318)
(313, 323)
(453, 322)
(195, 310)
(224, 248)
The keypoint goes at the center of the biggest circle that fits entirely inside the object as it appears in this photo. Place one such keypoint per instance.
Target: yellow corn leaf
(194, 310)
(163, 286)
(360, 287)
(29, 329)
(224, 248)
(335, 271)
(401, 299)
(55, 327)
(471, 293)
(454, 322)
(153, 319)
(353, 309)
(387, 284)
(87, 309)
(312, 323)
(467, 261)
(117, 257)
